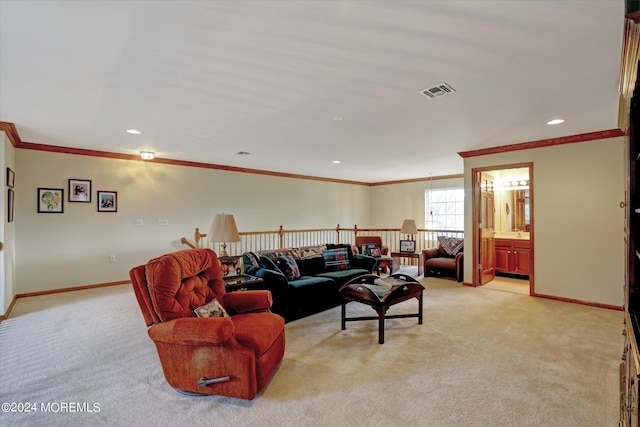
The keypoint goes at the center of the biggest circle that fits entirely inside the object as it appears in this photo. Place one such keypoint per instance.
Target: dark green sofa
(315, 287)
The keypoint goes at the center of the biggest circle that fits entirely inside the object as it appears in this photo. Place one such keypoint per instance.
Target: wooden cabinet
(513, 256)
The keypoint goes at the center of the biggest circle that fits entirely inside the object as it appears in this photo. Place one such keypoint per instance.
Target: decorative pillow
(375, 252)
(336, 259)
(451, 245)
(268, 263)
(288, 266)
(253, 258)
(311, 266)
(211, 309)
(309, 252)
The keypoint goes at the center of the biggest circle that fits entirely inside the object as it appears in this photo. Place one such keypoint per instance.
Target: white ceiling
(204, 80)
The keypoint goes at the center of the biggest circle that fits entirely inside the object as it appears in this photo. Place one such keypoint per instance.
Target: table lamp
(223, 229)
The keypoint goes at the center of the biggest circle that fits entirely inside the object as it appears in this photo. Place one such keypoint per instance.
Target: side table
(243, 283)
(397, 255)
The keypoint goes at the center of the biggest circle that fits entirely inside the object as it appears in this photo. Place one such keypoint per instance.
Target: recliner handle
(204, 381)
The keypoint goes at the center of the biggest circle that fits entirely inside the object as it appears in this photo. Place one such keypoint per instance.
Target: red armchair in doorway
(230, 356)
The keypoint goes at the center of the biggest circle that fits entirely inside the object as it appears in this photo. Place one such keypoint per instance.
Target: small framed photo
(232, 266)
(10, 198)
(79, 190)
(407, 246)
(107, 201)
(11, 178)
(50, 200)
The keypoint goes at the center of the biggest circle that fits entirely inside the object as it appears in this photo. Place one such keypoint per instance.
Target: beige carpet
(481, 358)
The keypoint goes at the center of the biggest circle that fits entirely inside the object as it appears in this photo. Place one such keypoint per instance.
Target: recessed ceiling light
(555, 121)
(133, 131)
(336, 161)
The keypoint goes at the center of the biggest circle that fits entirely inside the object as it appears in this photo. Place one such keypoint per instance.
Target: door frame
(475, 222)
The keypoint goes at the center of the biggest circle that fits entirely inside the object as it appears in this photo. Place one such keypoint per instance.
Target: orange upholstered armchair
(232, 356)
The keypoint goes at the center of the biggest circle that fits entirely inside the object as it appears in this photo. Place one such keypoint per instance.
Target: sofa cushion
(311, 266)
(442, 262)
(343, 276)
(288, 266)
(451, 245)
(336, 259)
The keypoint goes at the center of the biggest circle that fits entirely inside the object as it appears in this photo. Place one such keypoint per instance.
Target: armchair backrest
(366, 240)
(173, 285)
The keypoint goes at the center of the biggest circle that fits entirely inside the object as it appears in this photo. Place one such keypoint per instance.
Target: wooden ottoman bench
(380, 294)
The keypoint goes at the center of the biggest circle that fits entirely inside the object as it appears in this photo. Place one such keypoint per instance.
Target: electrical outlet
(138, 223)
(163, 222)
(112, 258)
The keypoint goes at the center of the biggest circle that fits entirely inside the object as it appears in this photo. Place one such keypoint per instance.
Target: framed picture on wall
(50, 200)
(79, 190)
(107, 201)
(11, 178)
(10, 201)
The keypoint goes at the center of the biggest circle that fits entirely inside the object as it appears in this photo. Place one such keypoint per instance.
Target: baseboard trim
(577, 301)
(71, 289)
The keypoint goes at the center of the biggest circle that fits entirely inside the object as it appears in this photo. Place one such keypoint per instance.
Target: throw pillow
(268, 263)
(308, 252)
(288, 266)
(451, 245)
(375, 252)
(254, 258)
(311, 266)
(336, 259)
(211, 309)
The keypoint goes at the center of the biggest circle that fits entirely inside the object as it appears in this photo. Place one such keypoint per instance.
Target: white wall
(72, 249)
(7, 230)
(578, 223)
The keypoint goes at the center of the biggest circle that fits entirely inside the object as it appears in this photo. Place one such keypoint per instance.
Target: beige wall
(7, 229)
(578, 222)
(393, 203)
(72, 249)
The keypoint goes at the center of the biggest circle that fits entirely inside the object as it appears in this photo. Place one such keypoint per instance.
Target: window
(447, 206)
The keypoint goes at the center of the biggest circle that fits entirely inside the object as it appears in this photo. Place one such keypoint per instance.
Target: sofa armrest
(430, 253)
(248, 301)
(364, 262)
(193, 331)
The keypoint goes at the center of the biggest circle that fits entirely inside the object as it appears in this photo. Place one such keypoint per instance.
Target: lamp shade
(223, 229)
(409, 227)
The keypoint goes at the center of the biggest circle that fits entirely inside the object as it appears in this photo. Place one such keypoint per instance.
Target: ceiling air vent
(439, 90)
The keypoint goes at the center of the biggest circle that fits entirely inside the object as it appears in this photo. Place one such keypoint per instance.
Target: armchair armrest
(384, 250)
(193, 331)
(248, 301)
(430, 253)
(364, 262)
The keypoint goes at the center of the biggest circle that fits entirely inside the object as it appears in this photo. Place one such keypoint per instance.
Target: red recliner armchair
(229, 356)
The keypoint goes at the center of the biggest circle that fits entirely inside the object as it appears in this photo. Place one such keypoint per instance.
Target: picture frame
(50, 200)
(11, 178)
(232, 266)
(407, 246)
(10, 203)
(107, 201)
(79, 190)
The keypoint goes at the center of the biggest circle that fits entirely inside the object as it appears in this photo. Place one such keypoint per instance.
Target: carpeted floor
(481, 358)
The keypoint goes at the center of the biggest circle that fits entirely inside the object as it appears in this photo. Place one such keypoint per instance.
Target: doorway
(503, 227)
